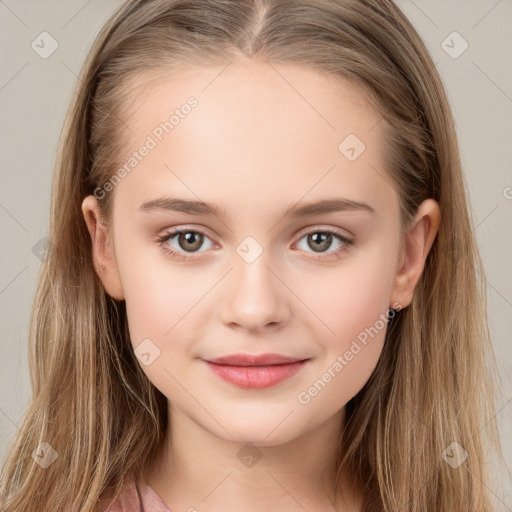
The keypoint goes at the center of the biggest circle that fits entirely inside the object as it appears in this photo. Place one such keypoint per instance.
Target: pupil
(189, 239)
(325, 241)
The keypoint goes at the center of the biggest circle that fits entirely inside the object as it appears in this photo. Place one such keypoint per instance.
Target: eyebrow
(305, 210)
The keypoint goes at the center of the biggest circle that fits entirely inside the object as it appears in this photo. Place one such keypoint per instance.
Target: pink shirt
(135, 497)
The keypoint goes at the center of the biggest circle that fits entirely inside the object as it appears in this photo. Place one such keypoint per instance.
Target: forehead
(244, 88)
(257, 130)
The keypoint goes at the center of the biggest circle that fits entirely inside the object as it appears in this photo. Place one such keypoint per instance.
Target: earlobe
(102, 250)
(417, 244)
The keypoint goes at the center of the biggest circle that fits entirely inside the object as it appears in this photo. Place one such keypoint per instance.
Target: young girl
(322, 344)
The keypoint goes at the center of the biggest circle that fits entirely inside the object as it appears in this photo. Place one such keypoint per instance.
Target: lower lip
(256, 377)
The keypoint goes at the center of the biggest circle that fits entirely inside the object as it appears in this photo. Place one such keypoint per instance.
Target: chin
(258, 433)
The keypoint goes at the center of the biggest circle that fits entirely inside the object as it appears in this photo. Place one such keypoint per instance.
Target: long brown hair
(91, 401)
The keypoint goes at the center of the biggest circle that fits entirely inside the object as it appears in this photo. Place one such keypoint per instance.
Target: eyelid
(184, 227)
(343, 233)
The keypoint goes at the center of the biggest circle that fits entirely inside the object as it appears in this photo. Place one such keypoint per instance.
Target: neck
(198, 470)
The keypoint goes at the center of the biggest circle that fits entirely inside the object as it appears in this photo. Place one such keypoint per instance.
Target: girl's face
(256, 164)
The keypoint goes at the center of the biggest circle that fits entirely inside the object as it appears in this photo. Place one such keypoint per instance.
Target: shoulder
(133, 497)
(127, 500)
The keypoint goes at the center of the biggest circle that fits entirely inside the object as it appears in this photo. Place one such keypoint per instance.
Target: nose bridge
(255, 297)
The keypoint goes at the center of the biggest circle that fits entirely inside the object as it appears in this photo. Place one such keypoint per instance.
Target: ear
(417, 244)
(102, 248)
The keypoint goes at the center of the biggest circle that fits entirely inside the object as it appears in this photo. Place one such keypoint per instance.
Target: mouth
(255, 372)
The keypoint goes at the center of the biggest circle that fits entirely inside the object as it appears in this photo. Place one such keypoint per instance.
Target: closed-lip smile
(255, 371)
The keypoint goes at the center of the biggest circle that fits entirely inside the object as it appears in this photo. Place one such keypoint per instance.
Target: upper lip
(254, 360)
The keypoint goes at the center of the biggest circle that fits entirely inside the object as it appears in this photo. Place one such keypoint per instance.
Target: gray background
(35, 91)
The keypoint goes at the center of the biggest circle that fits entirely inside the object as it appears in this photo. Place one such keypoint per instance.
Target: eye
(188, 240)
(320, 240)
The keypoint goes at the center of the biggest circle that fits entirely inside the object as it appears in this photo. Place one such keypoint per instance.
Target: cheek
(347, 299)
(159, 303)
(350, 330)
(155, 298)
(168, 304)
(162, 309)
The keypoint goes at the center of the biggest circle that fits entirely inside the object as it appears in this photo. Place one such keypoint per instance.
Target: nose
(254, 297)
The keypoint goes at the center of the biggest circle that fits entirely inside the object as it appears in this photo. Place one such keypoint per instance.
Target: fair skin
(255, 146)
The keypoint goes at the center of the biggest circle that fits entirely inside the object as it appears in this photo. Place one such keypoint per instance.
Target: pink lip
(257, 360)
(256, 372)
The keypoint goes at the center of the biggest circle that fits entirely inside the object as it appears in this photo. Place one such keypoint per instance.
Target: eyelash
(184, 257)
